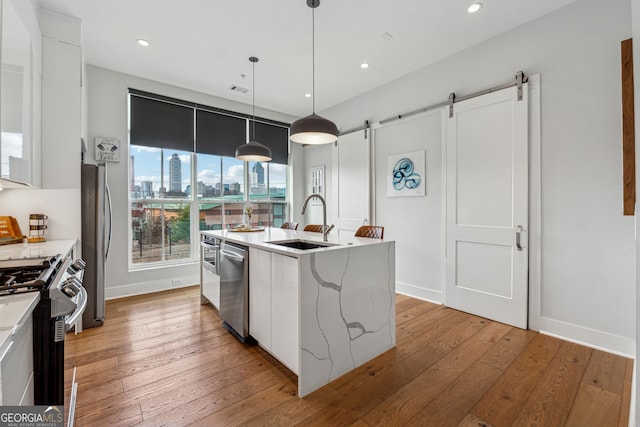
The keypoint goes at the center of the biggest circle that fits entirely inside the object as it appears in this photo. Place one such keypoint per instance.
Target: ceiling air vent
(240, 89)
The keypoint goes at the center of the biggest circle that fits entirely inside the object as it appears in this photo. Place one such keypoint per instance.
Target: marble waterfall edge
(347, 311)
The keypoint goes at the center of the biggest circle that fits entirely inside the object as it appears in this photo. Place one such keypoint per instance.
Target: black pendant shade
(253, 151)
(313, 129)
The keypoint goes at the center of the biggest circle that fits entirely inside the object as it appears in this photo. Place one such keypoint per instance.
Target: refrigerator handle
(108, 194)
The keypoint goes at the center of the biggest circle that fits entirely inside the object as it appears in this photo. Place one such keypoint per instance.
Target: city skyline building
(147, 189)
(234, 188)
(259, 171)
(175, 173)
(132, 174)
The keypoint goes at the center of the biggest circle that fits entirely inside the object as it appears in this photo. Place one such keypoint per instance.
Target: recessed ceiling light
(143, 42)
(473, 8)
(364, 65)
(307, 95)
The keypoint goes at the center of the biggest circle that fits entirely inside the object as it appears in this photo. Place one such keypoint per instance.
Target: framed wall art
(107, 149)
(406, 174)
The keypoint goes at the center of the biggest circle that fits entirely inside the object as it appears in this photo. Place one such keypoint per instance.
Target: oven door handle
(209, 246)
(82, 304)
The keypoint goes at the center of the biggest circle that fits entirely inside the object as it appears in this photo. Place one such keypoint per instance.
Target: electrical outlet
(176, 282)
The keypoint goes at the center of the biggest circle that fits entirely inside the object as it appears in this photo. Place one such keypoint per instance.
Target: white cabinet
(16, 365)
(19, 92)
(62, 127)
(260, 296)
(284, 310)
(210, 286)
(273, 305)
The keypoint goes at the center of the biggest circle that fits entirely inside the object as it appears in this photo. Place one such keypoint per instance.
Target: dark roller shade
(219, 134)
(161, 124)
(276, 138)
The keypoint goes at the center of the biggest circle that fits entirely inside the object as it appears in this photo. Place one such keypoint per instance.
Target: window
(184, 178)
(160, 204)
(209, 177)
(232, 179)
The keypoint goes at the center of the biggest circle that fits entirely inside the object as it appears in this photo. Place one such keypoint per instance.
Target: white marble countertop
(36, 250)
(261, 239)
(14, 309)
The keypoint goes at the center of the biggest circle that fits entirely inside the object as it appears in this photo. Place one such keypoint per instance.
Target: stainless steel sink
(303, 245)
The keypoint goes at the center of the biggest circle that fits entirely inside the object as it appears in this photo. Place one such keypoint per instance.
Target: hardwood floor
(163, 359)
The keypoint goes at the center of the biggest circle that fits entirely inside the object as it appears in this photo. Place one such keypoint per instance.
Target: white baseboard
(413, 291)
(149, 287)
(610, 343)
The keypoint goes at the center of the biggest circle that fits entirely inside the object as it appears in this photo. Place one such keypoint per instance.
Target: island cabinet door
(284, 300)
(16, 366)
(260, 296)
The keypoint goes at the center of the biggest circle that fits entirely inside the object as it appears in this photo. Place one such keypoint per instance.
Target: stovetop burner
(26, 275)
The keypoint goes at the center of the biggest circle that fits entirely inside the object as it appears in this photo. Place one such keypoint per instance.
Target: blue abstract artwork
(406, 174)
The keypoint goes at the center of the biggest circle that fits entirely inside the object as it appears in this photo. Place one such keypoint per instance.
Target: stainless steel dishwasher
(233, 269)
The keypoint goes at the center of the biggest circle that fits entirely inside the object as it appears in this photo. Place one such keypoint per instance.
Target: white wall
(415, 223)
(59, 205)
(587, 278)
(635, 24)
(107, 117)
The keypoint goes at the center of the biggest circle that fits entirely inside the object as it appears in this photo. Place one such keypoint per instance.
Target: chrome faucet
(325, 229)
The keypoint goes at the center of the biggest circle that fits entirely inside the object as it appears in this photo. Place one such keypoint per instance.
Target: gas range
(62, 301)
(55, 277)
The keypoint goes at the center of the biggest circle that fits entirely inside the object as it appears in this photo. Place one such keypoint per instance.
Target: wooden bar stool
(370, 231)
(289, 225)
(316, 228)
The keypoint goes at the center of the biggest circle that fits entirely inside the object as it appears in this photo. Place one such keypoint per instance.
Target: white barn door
(351, 182)
(487, 207)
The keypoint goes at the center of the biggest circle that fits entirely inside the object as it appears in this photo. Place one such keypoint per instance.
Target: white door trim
(535, 205)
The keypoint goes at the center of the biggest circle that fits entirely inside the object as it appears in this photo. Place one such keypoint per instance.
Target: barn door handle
(518, 233)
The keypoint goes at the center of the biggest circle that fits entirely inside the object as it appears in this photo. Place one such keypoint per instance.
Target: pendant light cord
(254, 100)
(313, 60)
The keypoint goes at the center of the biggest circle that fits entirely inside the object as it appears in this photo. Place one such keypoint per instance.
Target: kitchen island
(322, 311)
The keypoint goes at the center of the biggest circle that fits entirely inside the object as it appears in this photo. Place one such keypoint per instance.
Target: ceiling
(204, 45)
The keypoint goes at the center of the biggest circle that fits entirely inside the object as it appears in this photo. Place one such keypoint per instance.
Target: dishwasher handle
(231, 255)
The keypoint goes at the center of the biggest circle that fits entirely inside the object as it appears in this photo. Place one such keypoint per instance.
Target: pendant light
(253, 151)
(313, 129)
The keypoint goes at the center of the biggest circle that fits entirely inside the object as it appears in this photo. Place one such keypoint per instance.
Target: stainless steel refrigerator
(96, 237)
